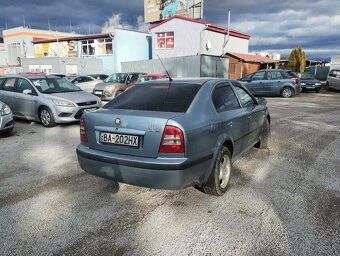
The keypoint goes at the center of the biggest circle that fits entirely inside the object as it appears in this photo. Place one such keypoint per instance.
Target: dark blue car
(174, 134)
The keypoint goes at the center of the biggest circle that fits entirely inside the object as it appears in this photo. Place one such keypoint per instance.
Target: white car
(6, 119)
(86, 83)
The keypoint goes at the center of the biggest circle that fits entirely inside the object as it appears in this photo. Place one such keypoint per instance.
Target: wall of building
(238, 69)
(130, 46)
(2, 55)
(18, 42)
(216, 41)
(186, 38)
(192, 38)
(80, 66)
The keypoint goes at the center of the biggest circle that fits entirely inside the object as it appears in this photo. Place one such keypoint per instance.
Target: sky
(274, 25)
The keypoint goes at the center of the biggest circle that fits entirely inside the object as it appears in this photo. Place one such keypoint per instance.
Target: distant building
(18, 42)
(111, 48)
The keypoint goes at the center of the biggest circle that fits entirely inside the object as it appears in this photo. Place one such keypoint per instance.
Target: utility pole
(48, 23)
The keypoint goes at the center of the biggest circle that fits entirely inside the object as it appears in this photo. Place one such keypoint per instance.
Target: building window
(104, 46)
(88, 47)
(165, 40)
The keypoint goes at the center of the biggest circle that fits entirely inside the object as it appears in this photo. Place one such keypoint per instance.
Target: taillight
(295, 79)
(172, 140)
(83, 134)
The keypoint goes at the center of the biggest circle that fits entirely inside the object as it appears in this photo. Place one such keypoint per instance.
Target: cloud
(115, 21)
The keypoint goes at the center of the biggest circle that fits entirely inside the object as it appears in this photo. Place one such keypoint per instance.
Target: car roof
(200, 80)
(31, 76)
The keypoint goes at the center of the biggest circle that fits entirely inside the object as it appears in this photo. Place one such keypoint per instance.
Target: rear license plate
(119, 139)
(98, 92)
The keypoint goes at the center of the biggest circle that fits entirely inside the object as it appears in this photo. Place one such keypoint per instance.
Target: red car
(148, 77)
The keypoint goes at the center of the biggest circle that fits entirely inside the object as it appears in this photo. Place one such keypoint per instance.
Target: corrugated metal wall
(188, 66)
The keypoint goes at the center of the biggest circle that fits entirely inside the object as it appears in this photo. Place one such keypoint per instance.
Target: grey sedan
(6, 119)
(48, 99)
(171, 135)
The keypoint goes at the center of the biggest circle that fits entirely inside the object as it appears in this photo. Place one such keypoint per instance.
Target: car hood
(75, 97)
(102, 86)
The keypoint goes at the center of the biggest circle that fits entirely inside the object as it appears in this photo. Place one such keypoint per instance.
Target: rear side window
(289, 74)
(224, 98)
(274, 75)
(156, 97)
(245, 98)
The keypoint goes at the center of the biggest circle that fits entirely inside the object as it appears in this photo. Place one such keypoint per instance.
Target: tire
(46, 117)
(327, 87)
(218, 181)
(287, 92)
(265, 136)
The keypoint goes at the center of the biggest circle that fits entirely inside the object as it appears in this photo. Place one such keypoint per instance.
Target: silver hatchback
(49, 99)
(6, 119)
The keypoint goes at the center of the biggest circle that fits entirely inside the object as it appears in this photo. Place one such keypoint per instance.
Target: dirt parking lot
(281, 201)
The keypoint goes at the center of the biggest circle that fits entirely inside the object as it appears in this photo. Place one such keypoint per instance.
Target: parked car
(148, 77)
(48, 99)
(308, 82)
(86, 83)
(99, 76)
(6, 119)
(272, 82)
(333, 80)
(115, 85)
(179, 134)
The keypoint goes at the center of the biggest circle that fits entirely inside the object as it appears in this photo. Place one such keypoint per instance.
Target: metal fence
(188, 66)
(319, 72)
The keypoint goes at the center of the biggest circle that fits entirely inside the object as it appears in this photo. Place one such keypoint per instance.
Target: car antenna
(170, 79)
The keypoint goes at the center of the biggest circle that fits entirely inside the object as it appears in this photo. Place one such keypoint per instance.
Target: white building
(182, 36)
(18, 42)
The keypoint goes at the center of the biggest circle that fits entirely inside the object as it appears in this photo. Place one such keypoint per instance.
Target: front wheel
(219, 179)
(287, 92)
(46, 117)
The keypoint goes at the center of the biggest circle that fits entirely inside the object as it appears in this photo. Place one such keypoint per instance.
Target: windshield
(54, 85)
(116, 78)
(307, 76)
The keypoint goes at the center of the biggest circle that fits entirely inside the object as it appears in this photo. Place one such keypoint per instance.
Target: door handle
(249, 117)
(230, 123)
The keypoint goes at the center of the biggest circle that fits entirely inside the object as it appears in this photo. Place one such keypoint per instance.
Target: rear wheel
(220, 176)
(46, 117)
(287, 92)
(265, 136)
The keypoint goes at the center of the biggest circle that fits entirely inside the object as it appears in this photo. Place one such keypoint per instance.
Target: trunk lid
(148, 126)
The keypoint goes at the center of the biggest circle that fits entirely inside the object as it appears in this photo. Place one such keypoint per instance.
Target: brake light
(83, 134)
(295, 79)
(172, 140)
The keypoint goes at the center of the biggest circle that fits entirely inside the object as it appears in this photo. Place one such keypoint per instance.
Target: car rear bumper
(159, 173)
(311, 87)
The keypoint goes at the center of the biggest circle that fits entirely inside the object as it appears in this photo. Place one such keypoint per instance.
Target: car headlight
(63, 103)
(317, 83)
(5, 110)
(303, 83)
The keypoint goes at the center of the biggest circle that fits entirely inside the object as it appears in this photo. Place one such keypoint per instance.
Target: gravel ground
(281, 201)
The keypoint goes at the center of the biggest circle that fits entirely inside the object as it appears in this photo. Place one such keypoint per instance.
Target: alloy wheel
(225, 168)
(45, 117)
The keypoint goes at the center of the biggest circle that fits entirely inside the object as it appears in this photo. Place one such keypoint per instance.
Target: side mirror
(262, 101)
(27, 92)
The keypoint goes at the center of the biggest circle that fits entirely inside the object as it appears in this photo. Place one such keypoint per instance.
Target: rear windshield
(289, 74)
(156, 97)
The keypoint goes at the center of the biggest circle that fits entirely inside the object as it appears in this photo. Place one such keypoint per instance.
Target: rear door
(255, 114)
(233, 120)
(273, 83)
